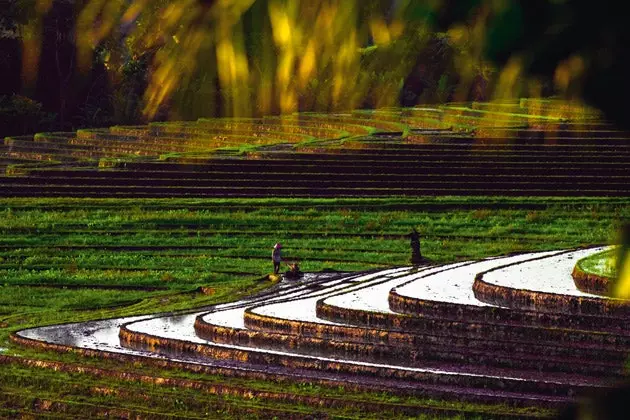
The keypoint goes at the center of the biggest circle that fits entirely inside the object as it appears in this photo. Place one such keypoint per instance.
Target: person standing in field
(276, 257)
(416, 256)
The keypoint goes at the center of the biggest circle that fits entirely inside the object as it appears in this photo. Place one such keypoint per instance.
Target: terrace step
(445, 299)
(80, 174)
(516, 344)
(592, 283)
(501, 286)
(542, 137)
(386, 167)
(405, 348)
(555, 184)
(64, 336)
(497, 146)
(412, 350)
(464, 324)
(435, 296)
(136, 336)
(359, 169)
(459, 168)
(60, 144)
(229, 339)
(476, 156)
(10, 189)
(588, 133)
(280, 333)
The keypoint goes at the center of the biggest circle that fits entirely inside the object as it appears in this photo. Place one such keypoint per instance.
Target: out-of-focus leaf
(622, 284)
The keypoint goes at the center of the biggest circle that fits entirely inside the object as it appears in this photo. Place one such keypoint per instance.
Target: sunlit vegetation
(530, 122)
(602, 264)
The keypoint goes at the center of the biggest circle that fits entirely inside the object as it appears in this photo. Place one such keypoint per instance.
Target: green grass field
(67, 260)
(602, 264)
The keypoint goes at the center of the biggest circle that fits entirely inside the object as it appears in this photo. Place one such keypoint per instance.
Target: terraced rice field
(134, 265)
(450, 150)
(430, 331)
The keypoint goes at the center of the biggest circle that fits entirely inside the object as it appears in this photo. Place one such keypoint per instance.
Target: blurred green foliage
(20, 115)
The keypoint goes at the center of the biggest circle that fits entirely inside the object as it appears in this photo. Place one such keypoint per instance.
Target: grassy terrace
(66, 260)
(529, 148)
(481, 180)
(597, 273)
(469, 120)
(602, 264)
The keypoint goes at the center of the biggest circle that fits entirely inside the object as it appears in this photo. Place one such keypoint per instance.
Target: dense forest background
(67, 64)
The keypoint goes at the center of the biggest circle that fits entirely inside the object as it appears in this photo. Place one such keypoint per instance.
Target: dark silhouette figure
(416, 256)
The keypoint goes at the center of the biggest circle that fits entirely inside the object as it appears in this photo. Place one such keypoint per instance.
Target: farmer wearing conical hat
(276, 257)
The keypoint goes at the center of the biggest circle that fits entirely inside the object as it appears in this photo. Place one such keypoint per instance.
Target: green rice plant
(29, 383)
(18, 298)
(602, 264)
(259, 125)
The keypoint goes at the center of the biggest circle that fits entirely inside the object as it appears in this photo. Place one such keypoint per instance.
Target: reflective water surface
(103, 335)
